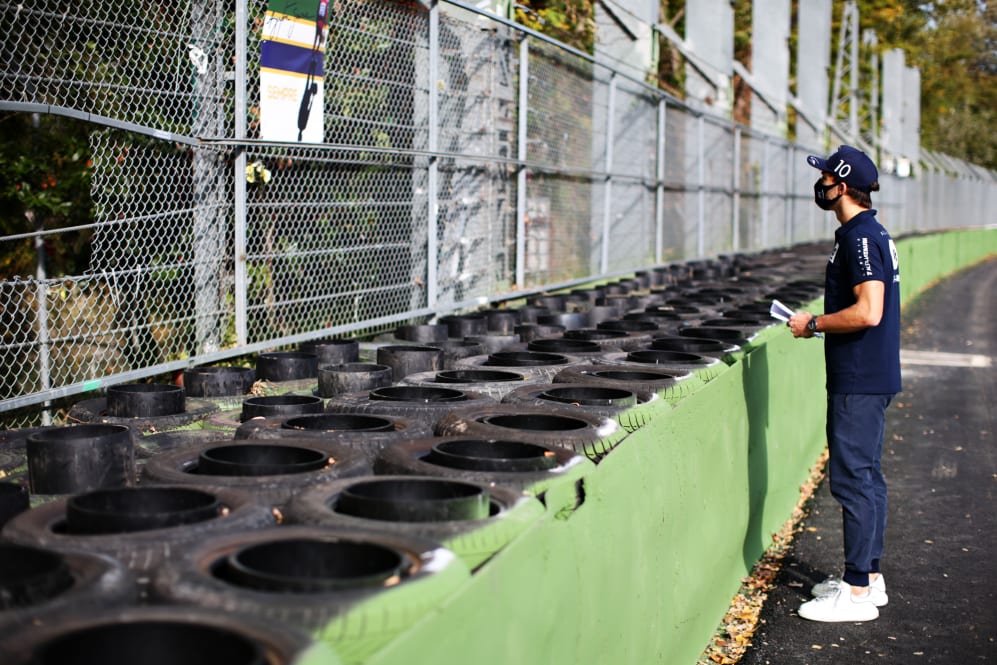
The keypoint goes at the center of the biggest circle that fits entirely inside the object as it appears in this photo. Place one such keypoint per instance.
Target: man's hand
(798, 324)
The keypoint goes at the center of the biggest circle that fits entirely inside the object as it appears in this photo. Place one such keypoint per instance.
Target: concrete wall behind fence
(464, 161)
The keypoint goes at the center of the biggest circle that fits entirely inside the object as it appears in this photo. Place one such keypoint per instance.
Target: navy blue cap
(850, 165)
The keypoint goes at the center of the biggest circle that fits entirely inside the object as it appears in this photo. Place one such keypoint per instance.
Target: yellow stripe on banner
(284, 72)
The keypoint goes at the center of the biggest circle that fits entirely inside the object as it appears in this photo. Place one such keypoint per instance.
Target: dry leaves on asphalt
(733, 637)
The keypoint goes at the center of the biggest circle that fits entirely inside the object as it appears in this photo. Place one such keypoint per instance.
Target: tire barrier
(272, 471)
(286, 366)
(139, 526)
(491, 382)
(714, 348)
(353, 590)
(426, 333)
(493, 342)
(332, 350)
(587, 434)
(37, 583)
(629, 325)
(747, 342)
(280, 405)
(465, 325)
(159, 635)
(610, 340)
(519, 465)
(575, 347)
(425, 404)
(210, 381)
(80, 458)
(145, 400)
(352, 377)
(14, 500)
(456, 349)
(367, 433)
(704, 367)
(527, 332)
(630, 408)
(94, 411)
(501, 321)
(405, 360)
(570, 320)
(153, 444)
(473, 520)
(534, 364)
(670, 385)
(529, 313)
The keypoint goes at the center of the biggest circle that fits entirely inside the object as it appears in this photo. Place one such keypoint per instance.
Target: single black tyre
(534, 364)
(37, 583)
(671, 384)
(286, 366)
(405, 360)
(332, 350)
(518, 465)
(587, 434)
(465, 325)
(145, 547)
(426, 404)
(427, 333)
(273, 471)
(218, 381)
(155, 636)
(145, 400)
(528, 332)
(79, 458)
(353, 589)
(494, 383)
(493, 342)
(280, 405)
(474, 540)
(365, 432)
(352, 377)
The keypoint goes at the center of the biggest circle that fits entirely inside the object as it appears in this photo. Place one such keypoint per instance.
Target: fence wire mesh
(206, 242)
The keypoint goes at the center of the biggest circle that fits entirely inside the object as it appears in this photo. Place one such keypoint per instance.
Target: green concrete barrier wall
(643, 570)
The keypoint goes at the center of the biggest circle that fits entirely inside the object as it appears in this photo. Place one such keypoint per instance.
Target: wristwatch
(812, 324)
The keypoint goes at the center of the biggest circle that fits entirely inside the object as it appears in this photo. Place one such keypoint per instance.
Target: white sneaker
(840, 605)
(877, 587)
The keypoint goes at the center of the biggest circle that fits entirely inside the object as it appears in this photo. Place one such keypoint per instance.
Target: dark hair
(862, 198)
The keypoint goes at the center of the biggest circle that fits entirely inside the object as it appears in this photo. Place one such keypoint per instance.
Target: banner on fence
(291, 70)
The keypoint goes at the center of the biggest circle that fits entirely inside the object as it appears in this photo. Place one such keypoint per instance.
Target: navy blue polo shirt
(867, 361)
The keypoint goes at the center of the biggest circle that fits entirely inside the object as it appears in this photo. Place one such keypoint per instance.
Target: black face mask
(820, 195)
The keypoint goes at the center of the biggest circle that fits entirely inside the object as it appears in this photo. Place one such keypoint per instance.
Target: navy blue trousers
(855, 428)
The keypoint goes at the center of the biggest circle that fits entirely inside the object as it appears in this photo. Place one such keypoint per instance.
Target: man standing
(861, 325)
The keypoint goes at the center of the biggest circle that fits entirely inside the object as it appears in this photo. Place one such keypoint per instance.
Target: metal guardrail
(466, 160)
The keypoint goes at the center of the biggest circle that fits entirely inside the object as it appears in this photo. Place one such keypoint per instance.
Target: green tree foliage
(44, 184)
(957, 55)
(570, 21)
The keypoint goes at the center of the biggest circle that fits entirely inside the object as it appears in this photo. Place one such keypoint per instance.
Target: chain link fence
(464, 161)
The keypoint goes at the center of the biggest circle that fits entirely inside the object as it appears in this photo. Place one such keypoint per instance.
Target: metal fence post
(659, 190)
(701, 186)
(432, 184)
(763, 210)
(735, 213)
(239, 248)
(607, 202)
(521, 139)
(788, 194)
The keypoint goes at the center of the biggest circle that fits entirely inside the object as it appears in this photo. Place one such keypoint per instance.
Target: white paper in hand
(779, 311)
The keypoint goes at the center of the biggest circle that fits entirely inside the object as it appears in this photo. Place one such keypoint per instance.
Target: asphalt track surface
(940, 462)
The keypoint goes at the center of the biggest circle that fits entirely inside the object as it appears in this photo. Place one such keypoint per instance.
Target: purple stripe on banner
(275, 55)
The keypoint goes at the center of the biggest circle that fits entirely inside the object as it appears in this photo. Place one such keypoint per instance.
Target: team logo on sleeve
(834, 253)
(865, 264)
(894, 256)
